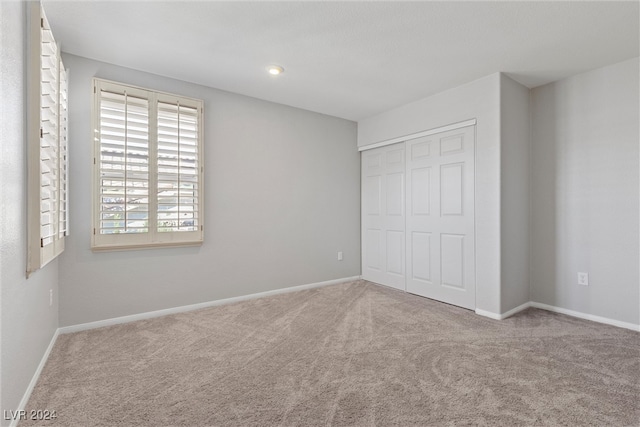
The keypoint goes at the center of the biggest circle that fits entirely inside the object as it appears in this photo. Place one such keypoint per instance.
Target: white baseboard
(586, 316)
(191, 307)
(34, 380)
(489, 314)
(560, 310)
(504, 315)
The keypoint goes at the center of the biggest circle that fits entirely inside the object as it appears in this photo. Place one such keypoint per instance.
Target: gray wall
(585, 192)
(282, 195)
(28, 322)
(479, 99)
(514, 192)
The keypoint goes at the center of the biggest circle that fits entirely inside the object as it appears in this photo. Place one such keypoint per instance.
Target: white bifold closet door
(440, 217)
(383, 219)
(418, 216)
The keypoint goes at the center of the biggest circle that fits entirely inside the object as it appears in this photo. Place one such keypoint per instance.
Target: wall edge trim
(504, 315)
(185, 308)
(453, 126)
(560, 310)
(34, 380)
(586, 316)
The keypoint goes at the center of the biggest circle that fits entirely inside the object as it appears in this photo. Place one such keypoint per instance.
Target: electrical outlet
(50, 297)
(340, 256)
(583, 279)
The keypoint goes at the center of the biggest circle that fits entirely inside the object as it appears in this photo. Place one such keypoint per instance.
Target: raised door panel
(452, 260)
(395, 252)
(421, 256)
(451, 189)
(421, 191)
(373, 188)
(373, 242)
(395, 194)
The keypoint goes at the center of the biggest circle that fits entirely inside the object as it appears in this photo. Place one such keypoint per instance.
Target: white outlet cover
(583, 279)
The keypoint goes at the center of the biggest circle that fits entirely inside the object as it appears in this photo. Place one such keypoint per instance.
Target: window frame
(152, 238)
(39, 251)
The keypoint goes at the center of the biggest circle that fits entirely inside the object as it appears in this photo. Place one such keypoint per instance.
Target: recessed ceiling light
(274, 70)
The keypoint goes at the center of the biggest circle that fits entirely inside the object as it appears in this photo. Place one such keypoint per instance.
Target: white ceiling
(349, 59)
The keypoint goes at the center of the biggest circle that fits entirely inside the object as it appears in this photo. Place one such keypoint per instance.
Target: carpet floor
(348, 354)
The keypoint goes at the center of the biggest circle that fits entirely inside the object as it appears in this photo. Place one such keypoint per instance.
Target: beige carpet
(350, 354)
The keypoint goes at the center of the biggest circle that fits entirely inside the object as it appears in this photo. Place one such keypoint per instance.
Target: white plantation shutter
(124, 163)
(148, 168)
(177, 168)
(63, 154)
(47, 179)
(49, 149)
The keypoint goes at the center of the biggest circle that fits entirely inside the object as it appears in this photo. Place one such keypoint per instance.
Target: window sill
(142, 246)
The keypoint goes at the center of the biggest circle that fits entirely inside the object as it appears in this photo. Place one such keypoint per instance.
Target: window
(148, 168)
(47, 145)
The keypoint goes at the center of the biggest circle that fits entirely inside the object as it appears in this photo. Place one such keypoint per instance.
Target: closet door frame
(368, 273)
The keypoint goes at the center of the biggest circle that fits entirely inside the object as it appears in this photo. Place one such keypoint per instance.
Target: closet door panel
(418, 216)
(383, 215)
(440, 196)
